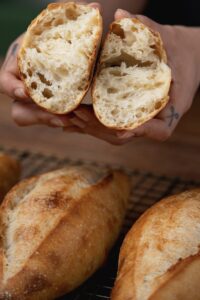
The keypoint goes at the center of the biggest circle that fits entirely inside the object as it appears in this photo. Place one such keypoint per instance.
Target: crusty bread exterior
(57, 230)
(160, 257)
(9, 174)
(58, 54)
(133, 79)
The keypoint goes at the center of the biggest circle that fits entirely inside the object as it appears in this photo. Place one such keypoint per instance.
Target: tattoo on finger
(173, 116)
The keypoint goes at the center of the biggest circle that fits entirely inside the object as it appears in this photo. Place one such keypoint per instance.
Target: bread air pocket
(133, 79)
(58, 53)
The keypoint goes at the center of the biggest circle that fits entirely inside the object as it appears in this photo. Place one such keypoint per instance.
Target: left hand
(183, 51)
(24, 111)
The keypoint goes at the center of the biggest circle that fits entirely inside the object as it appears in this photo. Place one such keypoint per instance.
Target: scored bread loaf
(57, 230)
(133, 79)
(58, 53)
(160, 257)
(9, 173)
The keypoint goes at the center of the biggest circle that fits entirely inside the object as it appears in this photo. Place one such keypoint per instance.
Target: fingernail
(57, 122)
(95, 5)
(20, 93)
(82, 116)
(78, 123)
(124, 12)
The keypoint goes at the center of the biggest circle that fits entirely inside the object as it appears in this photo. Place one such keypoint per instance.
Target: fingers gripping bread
(57, 230)
(160, 257)
(9, 174)
(58, 53)
(133, 79)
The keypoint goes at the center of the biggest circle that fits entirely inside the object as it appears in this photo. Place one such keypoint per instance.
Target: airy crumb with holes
(133, 78)
(58, 54)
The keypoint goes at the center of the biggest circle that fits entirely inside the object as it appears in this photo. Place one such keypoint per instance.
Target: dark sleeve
(179, 12)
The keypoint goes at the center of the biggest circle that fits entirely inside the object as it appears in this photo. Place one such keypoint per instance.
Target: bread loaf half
(133, 78)
(58, 53)
(9, 173)
(57, 230)
(160, 257)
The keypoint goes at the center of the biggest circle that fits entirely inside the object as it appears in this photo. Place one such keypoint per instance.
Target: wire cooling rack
(147, 188)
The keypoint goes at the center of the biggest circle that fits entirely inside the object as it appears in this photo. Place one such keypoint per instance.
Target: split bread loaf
(58, 53)
(133, 78)
(57, 230)
(160, 257)
(9, 173)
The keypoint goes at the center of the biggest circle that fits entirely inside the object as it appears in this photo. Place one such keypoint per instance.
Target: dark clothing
(177, 12)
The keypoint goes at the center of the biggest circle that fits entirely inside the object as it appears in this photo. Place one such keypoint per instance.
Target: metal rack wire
(147, 188)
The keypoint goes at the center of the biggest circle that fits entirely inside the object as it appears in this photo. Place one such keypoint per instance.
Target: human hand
(183, 51)
(182, 47)
(24, 111)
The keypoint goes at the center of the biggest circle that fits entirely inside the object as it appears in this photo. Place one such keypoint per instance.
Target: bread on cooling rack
(9, 173)
(58, 53)
(160, 257)
(133, 78)
(57, 230)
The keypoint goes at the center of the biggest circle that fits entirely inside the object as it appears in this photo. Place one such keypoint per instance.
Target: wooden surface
(180, 156)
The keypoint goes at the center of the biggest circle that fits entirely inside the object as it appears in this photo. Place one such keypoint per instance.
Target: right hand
(24, 111)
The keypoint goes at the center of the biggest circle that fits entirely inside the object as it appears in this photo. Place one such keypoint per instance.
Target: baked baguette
(57, 230)
(133, 79)
(58, 54)
(9, 174)
(160, 257)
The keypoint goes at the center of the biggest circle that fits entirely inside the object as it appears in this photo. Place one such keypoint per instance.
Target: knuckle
(5, 83)
(16, 115)
(166, 134)
(17, 120)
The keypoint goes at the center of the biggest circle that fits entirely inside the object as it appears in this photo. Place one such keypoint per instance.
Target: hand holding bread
(182, 47)
(160, 127)
(133, 80)
(24, 111)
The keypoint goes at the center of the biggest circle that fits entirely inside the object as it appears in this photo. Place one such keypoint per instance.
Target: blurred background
(15, 16)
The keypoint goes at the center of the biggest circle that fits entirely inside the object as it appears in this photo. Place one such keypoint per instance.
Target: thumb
(121, 13)
(96, 5)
